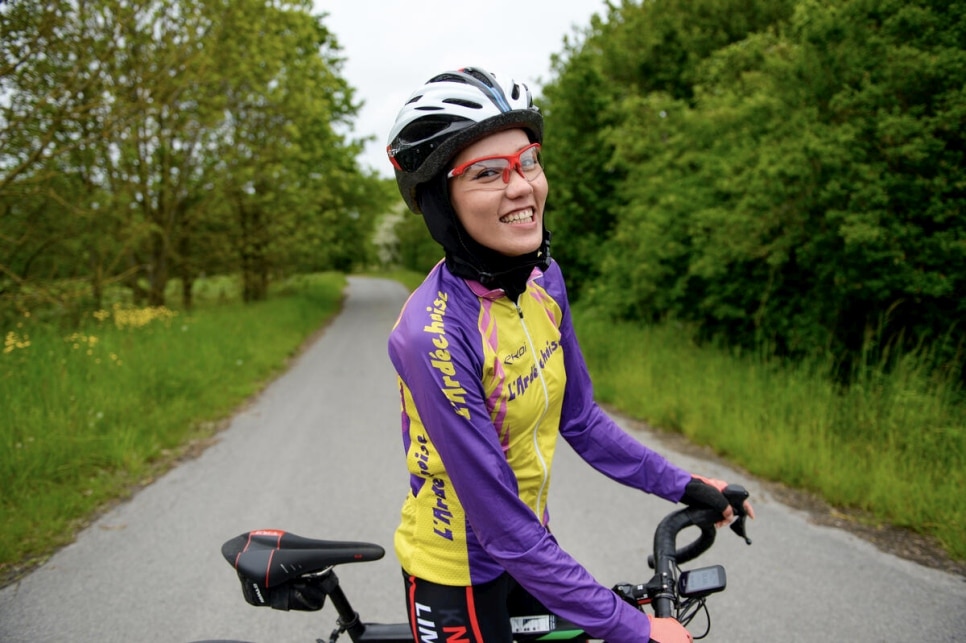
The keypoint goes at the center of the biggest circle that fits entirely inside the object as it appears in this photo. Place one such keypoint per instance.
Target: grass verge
(91, 414)
(892, 445)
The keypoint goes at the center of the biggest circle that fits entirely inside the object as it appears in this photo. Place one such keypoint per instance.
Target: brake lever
(736, 495)
(738, 526)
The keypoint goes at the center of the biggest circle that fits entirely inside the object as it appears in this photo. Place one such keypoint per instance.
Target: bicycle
(284, 571)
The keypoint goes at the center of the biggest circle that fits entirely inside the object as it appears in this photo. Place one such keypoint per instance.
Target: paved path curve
(318, 454)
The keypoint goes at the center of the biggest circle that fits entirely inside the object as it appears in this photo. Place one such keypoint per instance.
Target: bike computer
(696, 583)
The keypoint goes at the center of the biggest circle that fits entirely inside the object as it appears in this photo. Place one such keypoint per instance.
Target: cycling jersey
(486, 385)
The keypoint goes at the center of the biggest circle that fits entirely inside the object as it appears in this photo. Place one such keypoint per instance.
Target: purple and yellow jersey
(486, 385)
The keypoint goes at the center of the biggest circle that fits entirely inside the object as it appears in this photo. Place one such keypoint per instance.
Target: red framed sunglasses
(483, 172)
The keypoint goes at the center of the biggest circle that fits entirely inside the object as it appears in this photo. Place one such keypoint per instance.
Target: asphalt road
(318, 454)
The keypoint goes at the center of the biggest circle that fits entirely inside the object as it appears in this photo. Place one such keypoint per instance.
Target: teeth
(519, 216)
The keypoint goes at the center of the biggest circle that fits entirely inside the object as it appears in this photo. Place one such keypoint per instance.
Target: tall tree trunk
(159, 272)
(187, 274)
(253, 257)
(97, 284)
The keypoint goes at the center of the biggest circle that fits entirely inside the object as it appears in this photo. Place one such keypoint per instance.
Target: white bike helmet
(449, 112)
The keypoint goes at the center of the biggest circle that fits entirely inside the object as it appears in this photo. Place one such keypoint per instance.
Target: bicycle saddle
(271, 557)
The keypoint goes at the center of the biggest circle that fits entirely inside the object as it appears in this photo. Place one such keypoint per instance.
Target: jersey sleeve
(596, 437)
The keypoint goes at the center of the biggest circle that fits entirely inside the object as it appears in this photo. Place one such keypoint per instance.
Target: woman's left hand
(698, 493)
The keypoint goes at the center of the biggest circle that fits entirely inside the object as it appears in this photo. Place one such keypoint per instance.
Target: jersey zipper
(539, 422)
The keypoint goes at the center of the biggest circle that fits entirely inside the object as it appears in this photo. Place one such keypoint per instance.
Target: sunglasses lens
(487, 172)
(530, 162)
(494, 172)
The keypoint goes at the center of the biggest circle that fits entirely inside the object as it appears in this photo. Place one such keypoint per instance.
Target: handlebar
(667, 556)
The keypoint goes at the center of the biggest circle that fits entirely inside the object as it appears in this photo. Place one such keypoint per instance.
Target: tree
(54, 109)
(577, 108)
(639, 49)
(808, 194)
(141, 141)
(290, 177)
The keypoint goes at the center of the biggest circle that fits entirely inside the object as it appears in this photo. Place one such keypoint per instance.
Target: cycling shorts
(474, 614)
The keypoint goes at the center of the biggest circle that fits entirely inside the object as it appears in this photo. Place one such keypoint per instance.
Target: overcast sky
(394, 46)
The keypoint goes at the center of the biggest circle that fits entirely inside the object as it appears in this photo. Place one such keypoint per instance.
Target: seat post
(348, 617)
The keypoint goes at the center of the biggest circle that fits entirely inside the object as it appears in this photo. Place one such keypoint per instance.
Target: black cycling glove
(700, 493)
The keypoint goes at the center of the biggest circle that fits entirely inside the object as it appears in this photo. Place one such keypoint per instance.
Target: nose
(517, 183)
(511, 169)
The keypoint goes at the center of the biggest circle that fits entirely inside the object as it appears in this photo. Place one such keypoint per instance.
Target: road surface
(318, 453)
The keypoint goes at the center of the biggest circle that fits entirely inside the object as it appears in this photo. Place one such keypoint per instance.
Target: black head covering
(467, 258)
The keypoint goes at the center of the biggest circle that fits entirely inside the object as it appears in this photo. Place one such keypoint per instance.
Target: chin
(518, 251)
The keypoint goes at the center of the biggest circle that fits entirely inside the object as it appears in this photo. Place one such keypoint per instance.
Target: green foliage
(418, 251)
(212, 141)
(794, 179)
(577, 163)
(639, 50)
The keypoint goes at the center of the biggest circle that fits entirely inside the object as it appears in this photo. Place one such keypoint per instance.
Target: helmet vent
(426, 128)
(515, 93)
(478, 75)
(447, 78)
(463, 103)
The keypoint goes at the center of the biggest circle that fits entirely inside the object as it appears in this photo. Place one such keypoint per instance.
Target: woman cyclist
(490, 373)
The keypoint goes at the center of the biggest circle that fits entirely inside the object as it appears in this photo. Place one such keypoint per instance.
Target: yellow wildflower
(139, 317)
(14, 341)
(80, 339)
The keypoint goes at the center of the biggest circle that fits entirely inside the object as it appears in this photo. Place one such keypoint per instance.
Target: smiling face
(504, 217)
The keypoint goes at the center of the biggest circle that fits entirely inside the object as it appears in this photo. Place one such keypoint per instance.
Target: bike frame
(541, 626)
(662, 592)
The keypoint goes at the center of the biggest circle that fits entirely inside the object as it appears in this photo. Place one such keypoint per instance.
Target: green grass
(89, 414)
(892, 445)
